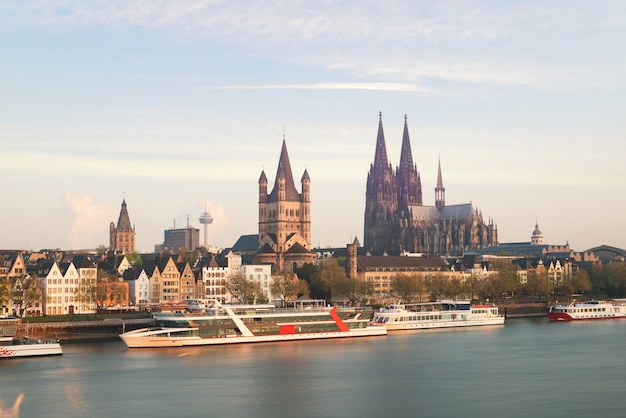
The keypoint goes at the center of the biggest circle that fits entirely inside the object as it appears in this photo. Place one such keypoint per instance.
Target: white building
(261, 273)
(216, 274)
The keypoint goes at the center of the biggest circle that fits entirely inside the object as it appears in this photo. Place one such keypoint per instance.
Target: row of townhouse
(169, 279)
(62, 284)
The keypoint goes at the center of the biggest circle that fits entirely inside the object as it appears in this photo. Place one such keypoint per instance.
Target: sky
(178, 105)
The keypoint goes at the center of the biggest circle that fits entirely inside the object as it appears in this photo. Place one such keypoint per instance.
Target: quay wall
(103, 329)
(518, 310)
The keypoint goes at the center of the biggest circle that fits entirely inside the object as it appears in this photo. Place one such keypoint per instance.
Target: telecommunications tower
(206, 219)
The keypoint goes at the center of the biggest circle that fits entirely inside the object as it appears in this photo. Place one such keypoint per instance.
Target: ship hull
(139, 339)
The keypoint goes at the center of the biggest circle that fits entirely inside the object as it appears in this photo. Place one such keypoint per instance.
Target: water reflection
(521, 369)
(13, 411)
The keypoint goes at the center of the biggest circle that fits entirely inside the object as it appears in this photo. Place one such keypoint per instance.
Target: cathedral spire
(409, 183)
(440, 191)
(406, 156)
(380, 158)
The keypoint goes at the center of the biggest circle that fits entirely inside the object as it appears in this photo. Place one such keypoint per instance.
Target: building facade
(186, 238)
(397, 221)
(122, 236)
(285, 219)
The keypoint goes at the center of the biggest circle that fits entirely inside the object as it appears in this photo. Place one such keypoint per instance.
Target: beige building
(170, 281)
(285, 219)
(381, 270)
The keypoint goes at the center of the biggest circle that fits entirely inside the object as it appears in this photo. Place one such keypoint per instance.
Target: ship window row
(408, 318)
(590, 310)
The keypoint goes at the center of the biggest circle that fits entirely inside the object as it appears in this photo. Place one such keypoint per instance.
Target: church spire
(123, 222)
(406, 156)
(380, 158)
(409, 183)
(284, 179)
(440, 191)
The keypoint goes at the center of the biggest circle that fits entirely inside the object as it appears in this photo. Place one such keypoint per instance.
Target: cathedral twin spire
(407, 175)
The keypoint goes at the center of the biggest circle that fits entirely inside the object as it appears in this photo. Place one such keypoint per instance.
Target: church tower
(381, 197)
(409, 182)
(285, 218)
(122, 237)
(537, 236)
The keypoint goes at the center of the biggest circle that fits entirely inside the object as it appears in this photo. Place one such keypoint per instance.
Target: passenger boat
(235, 324)
(12, 346)
(613, 309)
(442, 314)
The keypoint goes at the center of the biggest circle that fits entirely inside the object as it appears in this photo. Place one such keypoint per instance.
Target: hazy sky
(164, 102)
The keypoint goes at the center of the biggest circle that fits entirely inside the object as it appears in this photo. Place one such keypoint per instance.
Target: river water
(526, 368)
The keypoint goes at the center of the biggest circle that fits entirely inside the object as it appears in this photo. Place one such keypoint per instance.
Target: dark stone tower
(122, 237)
(409, 182)
(381, 197)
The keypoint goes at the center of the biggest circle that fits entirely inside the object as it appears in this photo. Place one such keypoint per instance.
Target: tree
(407, 287)
(354, 290)
(114, 292)
(190, 256)
(244, 290)
(453, 288)
(504, 281)
(134, 259)
(17, 295)
(537, 284)
(87, 294)
(288, 287)
(580, 281)
(318, 278)
(32, 294)
(4, 296)
(610, 279)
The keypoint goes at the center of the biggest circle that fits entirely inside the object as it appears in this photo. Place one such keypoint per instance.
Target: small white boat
(443, 314)
(219, 324)
(590, 310)
(12, 346)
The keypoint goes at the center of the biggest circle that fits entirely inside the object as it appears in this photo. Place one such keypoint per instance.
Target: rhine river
(526, 368)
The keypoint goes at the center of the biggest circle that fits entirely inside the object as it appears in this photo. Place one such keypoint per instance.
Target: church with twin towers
(396, 219)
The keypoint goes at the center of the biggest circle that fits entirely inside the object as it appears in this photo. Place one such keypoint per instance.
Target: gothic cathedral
(396, 220)
(285, 219)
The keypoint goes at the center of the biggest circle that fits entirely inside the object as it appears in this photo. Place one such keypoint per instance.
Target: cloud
(89, 222)
(372, 86)
(545, 46)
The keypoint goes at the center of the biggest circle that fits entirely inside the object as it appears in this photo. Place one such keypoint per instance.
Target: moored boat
(442, 314)
(12, 346)
(236, 324)
(589, 310)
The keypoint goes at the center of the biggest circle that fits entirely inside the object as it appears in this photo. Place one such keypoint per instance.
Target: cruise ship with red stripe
(589, 310)
(220, 324)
